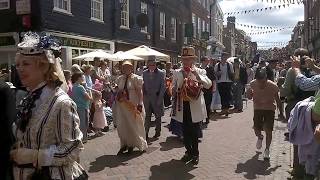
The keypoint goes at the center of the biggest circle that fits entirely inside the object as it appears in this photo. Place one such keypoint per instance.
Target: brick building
(312, 27)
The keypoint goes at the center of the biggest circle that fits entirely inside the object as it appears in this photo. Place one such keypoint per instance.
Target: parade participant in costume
(128, 110)
(7, 111)
(153, 92)
(189, 106)
(48, 138)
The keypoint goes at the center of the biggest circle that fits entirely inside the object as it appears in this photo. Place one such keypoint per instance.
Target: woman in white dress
(48, 138)
(129, 110)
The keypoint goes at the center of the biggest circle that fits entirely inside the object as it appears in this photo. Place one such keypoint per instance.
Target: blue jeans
(84, 121)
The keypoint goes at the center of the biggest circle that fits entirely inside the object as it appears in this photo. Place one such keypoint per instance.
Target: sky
(283, 17)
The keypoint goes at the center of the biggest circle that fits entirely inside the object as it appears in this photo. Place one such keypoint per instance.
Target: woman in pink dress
(99, 117)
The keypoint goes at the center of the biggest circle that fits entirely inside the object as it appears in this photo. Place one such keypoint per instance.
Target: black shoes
(125, 148)
(195, 160)
(186, 158)
(122, 150)
(156, 135)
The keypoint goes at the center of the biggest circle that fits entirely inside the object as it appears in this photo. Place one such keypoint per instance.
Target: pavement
(227, 152)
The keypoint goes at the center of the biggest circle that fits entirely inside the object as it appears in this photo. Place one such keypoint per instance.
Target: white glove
(24, 156)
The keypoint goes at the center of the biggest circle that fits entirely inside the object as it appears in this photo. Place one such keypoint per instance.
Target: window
(203, 26)
(199, 27)
(4, 4)
(62, 6)
(125, 14)
(208, 28)
(144, 9)
(194, 22)
(173, 28)
(162, 25)
(97, 10)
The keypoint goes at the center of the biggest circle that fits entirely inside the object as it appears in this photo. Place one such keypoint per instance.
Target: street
(227, 152)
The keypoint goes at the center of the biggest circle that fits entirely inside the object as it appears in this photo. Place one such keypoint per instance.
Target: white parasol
(98, 53)
(144, 51)
(121, 56)
(231, 60)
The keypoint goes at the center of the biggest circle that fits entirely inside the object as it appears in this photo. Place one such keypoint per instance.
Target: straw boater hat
(188, 52)
(127, 62)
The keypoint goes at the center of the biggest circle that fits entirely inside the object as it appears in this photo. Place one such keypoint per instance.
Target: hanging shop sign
(83, 43)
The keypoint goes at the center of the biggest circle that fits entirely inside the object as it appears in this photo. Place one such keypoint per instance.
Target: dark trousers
(147, 122)
(208, 98)
(190, 131)
(224, 89)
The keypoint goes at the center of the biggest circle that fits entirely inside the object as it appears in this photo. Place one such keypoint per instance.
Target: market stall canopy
(144, 51)
(121, 56)
(98, 53)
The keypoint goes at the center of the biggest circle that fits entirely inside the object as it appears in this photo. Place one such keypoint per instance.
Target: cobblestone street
(227, 151)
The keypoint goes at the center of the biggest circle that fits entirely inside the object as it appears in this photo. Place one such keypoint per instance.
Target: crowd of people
(60, 110)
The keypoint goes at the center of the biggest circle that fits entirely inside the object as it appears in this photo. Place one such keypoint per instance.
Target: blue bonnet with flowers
(36, 44)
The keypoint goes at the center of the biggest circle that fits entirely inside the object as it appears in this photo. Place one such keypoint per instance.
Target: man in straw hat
(189, 106)
(153, 93)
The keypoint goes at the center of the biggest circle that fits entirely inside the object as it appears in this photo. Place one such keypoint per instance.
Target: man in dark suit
(7, 116)
(207, 93)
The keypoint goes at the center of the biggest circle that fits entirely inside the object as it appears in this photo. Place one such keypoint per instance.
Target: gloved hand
(24, 156)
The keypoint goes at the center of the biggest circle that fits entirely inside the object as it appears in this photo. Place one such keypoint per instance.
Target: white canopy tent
(144, 51)
(121, 56)
(91, 55)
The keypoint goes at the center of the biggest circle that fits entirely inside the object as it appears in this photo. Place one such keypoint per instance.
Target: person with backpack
(225, 74)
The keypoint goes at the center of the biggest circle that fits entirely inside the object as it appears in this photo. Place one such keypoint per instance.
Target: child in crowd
(99, 117)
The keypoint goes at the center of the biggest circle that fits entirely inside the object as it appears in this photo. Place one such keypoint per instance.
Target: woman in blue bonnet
(48, 138)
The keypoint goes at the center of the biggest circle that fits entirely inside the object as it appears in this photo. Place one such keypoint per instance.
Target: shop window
(4, 4)
(97, 10)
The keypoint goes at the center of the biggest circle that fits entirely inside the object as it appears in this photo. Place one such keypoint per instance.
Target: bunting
(250, 26)
(265, 9)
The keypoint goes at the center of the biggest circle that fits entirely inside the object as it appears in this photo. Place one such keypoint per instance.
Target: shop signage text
(82, 43)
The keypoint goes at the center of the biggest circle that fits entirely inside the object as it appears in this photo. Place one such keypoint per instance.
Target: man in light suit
(153, 92)
(190, 111)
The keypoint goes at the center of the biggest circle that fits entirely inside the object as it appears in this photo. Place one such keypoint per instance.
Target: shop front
(8, 44)
(73, 46)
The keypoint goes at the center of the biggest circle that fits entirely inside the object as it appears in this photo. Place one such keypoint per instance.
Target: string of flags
(282, 1)
(260, 27)
(267, 32)
(278, 7)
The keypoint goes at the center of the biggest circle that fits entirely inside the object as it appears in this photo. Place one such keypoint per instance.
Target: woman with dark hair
(48, 138)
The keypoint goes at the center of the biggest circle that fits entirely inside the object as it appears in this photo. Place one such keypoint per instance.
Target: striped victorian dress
(54, 129)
